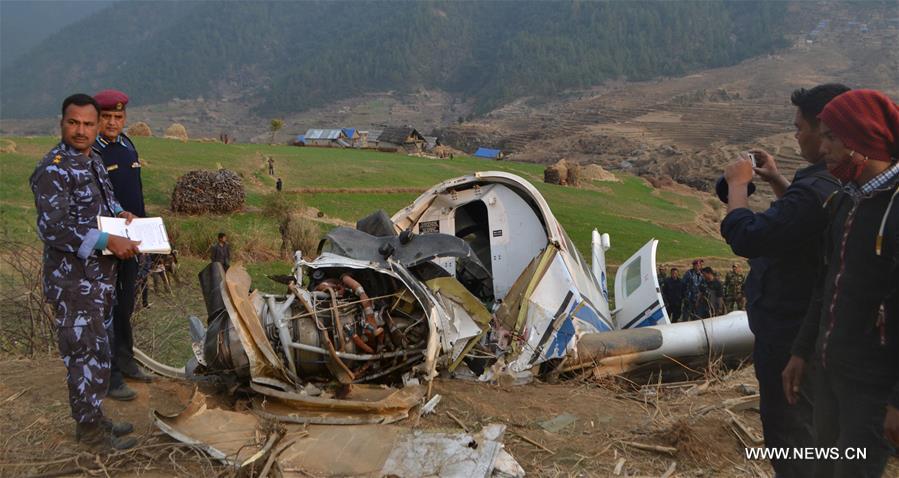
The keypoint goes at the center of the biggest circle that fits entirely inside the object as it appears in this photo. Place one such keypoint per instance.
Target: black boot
(116, 428)
(100, 439)
(121, 392)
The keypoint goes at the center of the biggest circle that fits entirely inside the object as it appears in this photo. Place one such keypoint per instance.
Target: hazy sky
(24, 24)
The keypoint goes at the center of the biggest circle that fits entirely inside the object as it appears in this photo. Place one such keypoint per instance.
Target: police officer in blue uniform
(71, 189)
(122, 164)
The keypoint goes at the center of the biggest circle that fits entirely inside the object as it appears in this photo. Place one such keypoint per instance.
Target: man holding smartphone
(783, 245)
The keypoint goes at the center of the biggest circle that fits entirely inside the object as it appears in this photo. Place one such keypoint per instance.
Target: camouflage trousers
(85, 351)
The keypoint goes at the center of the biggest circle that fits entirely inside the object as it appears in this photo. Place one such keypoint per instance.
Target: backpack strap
(878, 243)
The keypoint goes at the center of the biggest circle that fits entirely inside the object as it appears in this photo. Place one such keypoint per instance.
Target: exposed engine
(353, 325)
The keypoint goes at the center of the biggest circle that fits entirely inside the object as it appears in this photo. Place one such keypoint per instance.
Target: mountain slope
(290, 56)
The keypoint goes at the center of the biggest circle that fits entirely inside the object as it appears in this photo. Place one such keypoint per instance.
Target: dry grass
(27, 327)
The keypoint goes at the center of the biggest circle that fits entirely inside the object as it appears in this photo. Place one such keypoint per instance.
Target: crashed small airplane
(475, 279)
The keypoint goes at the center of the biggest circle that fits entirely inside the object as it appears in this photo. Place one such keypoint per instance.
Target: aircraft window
(632, 277)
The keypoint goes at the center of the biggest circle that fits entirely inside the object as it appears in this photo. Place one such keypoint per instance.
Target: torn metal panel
(421, 453)
(224, 435)
(239, 304)
(352, 450)
(406, 250)
(557, 316)
(468, 316)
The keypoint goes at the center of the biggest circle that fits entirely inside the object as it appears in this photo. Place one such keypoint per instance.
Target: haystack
(176, 131)
(595, 172)
(573, 176)
(7, 146)
(552, 175)
(203, 191)
(140, 129)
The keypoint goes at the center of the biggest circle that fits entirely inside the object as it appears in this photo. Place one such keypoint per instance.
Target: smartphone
(752, 158)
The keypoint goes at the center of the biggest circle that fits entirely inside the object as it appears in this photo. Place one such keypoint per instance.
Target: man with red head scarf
(851, 330)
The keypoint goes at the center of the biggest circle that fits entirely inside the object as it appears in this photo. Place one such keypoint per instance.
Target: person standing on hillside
(221, 251)
(733, 289)
(783, 245)
(711, 295)
(851, 330)
(123, 166)
(692, 281)
(71, 190)
(673, 294)
(271, 166)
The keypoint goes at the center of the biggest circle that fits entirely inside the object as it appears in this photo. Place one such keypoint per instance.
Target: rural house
(326, 138)
(401, 138)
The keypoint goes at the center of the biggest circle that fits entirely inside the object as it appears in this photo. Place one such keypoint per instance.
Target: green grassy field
(630, 210)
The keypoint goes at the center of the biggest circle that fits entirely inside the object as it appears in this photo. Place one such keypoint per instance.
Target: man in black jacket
(673, 294)
(122, 163)
(783, 246)
(851, 330)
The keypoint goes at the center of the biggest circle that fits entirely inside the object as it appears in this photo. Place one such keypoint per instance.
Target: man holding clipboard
(123, 167)
(71, 190)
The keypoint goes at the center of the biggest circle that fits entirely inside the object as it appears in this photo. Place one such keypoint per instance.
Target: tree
(275, 126)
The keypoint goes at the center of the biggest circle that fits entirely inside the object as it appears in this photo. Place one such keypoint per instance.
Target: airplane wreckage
(476, 279)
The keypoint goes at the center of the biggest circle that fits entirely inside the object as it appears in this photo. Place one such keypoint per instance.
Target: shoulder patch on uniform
(57, 159)
(112, 167)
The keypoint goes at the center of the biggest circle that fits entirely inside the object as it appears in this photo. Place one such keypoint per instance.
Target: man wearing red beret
(851, 329)
(123, 166)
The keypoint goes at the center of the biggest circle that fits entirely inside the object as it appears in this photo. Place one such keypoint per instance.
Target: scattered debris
(505, 466)
(747, 389)
(646, 447)
(457, 420)
(619, 466)
(747, 431)
(203, 191)
(428, 408)
(241, 440)
(446, 454)
(558, 423)
(733, 404)
(535, 443)
(16, 395)
(670, 471)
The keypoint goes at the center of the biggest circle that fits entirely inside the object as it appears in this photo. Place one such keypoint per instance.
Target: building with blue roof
(488, 153)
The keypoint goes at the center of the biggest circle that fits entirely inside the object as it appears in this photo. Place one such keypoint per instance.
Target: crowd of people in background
(700, 294)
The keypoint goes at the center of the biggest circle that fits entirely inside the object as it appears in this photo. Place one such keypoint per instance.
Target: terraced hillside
(688, 127)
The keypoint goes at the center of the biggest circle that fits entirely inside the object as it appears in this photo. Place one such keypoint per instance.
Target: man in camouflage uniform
(733, 289)
(71, 189)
